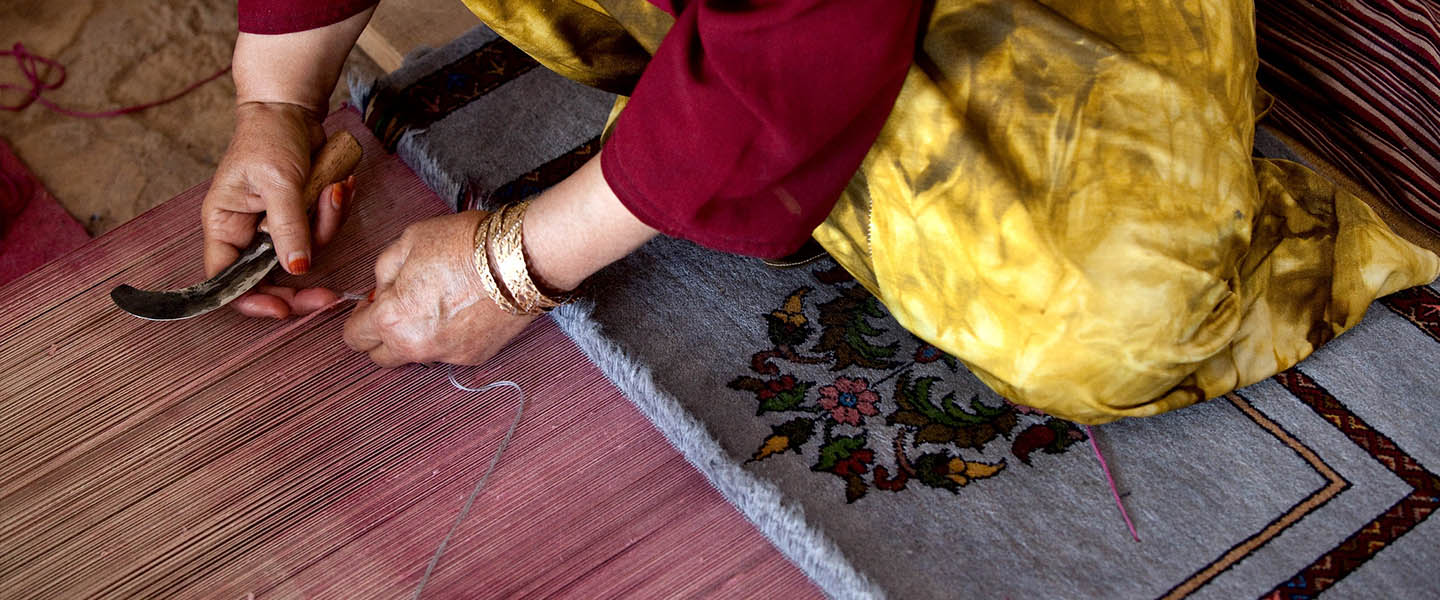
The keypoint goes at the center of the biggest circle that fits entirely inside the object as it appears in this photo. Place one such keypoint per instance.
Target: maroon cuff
(748, 239)
(270, 17)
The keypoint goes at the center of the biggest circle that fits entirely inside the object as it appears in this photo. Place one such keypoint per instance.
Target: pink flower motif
(848, 399)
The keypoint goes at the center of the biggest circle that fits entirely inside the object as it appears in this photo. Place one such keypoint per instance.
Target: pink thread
(1114, 491)
(30, 66)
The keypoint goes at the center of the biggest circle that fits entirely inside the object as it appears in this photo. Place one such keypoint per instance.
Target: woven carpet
(880, 466)
(223, 457)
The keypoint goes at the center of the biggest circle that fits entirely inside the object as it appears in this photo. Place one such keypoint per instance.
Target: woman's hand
(264, 171)
(282, 86)
(428, 305)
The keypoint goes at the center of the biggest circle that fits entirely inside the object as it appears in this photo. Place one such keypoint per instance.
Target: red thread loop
(31, 64)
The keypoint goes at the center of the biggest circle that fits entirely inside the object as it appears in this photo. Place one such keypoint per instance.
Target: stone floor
(106, 171)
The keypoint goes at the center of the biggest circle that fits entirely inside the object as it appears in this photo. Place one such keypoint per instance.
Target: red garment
(749, 120)
(288, 16)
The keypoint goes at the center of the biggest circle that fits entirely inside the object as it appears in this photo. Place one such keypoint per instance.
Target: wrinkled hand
(428, 304)
(264, 171)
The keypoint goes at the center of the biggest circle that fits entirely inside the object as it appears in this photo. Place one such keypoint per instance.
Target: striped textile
(1358, 81)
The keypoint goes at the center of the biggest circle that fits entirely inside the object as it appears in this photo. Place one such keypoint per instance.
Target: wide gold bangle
(483, 235)
(514, 272)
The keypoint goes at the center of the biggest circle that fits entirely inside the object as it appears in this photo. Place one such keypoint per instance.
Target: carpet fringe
(760, 502)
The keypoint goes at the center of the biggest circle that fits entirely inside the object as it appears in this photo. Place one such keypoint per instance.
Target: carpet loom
(179, 460)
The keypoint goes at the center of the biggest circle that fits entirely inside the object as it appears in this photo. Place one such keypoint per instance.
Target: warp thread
(494, 459)
(30, 66)
(1109, 479)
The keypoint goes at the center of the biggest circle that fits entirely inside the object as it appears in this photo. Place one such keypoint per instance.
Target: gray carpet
(881, 467)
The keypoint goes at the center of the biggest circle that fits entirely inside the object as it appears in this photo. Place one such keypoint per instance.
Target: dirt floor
(106, 171)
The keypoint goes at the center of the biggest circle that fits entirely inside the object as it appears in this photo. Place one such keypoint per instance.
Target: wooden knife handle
(334, 162)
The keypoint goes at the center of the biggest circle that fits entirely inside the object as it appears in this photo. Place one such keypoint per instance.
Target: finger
(387, 267)
(284, 293)
(218, 255)
(361, 335)
(386, 356)
(328, 212)
(288, 225)
(225, 233)
(261, 305)
(310, 300)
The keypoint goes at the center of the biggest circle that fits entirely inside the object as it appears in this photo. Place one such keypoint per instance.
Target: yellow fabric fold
(1064, 198)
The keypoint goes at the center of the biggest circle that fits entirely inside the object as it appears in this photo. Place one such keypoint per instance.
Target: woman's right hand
(282, 87)
(263, 172)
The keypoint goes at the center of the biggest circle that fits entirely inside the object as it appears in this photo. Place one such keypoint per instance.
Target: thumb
(288, 224)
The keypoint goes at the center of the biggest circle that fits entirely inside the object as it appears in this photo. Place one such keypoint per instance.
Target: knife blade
(335, 161)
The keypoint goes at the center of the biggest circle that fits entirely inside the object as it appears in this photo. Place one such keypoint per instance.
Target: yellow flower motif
(793, 312)
(961, 471)
(773, 445)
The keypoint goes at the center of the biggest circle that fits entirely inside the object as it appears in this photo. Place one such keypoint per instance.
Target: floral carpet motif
(807, 384)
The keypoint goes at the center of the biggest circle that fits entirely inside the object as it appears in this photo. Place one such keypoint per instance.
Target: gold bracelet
(483, 235)
(514, 271)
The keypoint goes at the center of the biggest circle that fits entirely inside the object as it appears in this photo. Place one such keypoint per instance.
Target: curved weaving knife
(334, 162)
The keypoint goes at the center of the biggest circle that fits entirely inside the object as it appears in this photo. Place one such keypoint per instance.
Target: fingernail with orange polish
(370, 296)
(299, 263)
(337, 195)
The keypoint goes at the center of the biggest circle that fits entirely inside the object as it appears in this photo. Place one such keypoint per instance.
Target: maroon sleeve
(289, 16)
(752, 117)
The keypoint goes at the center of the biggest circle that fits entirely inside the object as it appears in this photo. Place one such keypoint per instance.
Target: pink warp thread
(1114, 491)
(30, 66)
(494, 458)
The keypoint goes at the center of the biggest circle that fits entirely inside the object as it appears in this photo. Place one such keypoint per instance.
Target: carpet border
(760, 502)
(407, 148)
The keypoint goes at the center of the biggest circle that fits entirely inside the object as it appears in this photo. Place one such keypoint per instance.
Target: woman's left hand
(428, 304)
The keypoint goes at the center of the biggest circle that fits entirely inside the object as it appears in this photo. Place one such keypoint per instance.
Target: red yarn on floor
(30, 65)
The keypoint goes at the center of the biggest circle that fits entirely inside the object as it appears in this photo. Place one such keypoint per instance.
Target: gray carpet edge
(808, 548)
(451, 190)
(784, 525)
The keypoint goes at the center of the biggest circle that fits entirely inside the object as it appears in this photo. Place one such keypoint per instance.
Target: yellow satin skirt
(1064, 198)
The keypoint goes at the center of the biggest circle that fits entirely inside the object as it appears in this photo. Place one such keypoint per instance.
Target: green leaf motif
(846, 329)
(914, 397)
(798, 430)
(931, 469)
(837, 450)
(946, 422)
(784, 400)
(1066, 433)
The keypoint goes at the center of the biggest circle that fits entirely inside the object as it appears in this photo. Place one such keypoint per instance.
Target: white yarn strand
(494, 460)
